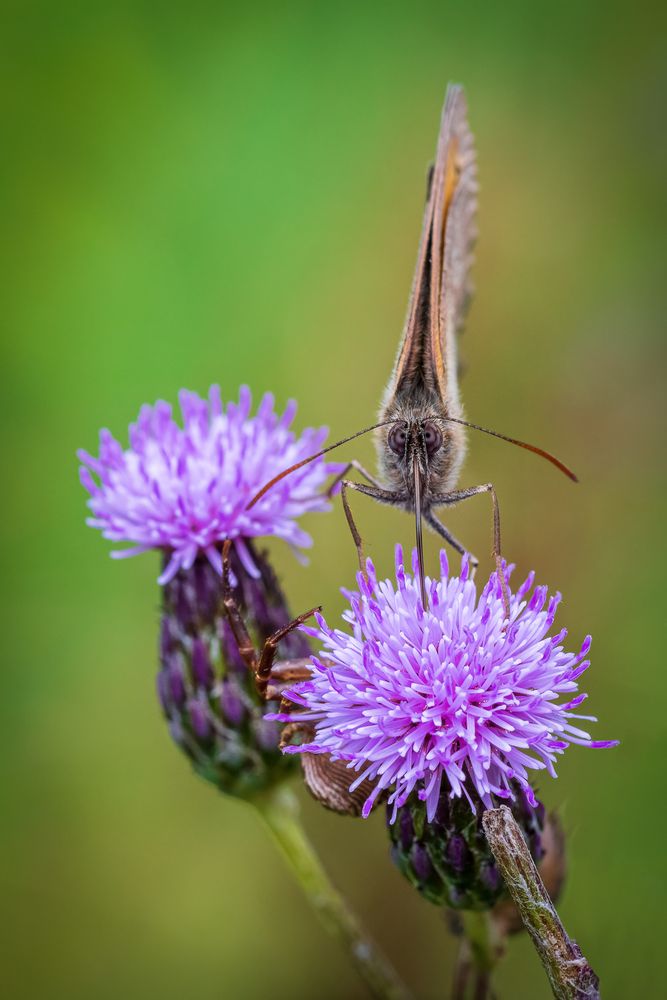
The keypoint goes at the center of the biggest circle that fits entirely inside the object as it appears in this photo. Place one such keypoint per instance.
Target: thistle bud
(208, 694)
(448, 859)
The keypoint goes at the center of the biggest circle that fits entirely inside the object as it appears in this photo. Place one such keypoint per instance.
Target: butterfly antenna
(311, 458)
(520, 444)
(418, 528)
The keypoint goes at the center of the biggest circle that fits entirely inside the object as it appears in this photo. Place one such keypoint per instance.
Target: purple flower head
(453, 694)
(185, 489)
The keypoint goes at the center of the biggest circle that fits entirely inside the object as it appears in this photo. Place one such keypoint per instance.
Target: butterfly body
(420, 437)
(421, 442)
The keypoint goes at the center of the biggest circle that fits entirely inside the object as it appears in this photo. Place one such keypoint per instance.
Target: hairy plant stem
(280, 812)
(478, 950)
(570, 975)
(462, 970)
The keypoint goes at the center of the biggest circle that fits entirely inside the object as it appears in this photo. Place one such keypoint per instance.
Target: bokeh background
(205, 191)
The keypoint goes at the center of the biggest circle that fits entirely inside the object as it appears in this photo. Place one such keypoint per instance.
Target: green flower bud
(448, 860)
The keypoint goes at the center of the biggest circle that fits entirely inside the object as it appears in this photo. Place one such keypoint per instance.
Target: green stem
(482, 947)
(462, 970)
(279, 810)
(477, 929)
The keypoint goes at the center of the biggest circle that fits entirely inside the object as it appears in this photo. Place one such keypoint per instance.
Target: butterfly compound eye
(397, 438)
(432, 438)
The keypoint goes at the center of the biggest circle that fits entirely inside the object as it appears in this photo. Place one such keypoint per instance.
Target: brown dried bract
(552, 869)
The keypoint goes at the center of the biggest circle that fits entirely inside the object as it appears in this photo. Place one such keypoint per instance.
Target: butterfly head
(420, 443)
(416, 442)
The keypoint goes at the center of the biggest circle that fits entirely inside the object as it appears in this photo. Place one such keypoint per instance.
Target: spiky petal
(451, 697)
(185, 489)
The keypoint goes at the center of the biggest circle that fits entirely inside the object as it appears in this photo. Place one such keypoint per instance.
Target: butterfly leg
(456, 496)
(246, 646)
(376, 493)
(358, 467)
(284, 674)
(259, 665)
(265, 665)
(441, 530)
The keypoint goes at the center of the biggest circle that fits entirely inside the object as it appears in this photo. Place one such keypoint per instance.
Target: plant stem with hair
(479, 951)
(570, 975)
(278, 808)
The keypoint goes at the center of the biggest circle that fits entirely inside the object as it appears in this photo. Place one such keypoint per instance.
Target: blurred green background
(203, 192)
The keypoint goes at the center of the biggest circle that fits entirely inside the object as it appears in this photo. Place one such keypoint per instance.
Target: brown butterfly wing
(454, 235)
(427, 357)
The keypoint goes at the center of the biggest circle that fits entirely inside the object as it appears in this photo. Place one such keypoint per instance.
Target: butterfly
(420, 436)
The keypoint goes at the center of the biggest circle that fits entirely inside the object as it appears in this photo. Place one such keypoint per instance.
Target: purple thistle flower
(185, 489)
(453, 697)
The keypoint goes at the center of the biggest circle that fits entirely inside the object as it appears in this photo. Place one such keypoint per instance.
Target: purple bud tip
(207, 589)
(267, 734)
(457, 853)
(166, 643)
(535, 845)
(421, 863)
(176, 683)
(176, 731)
(199, 719)
(163, 690)
(232, 705)
(201, 664)
(442, 814)
(406, 829)
(489, 876)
